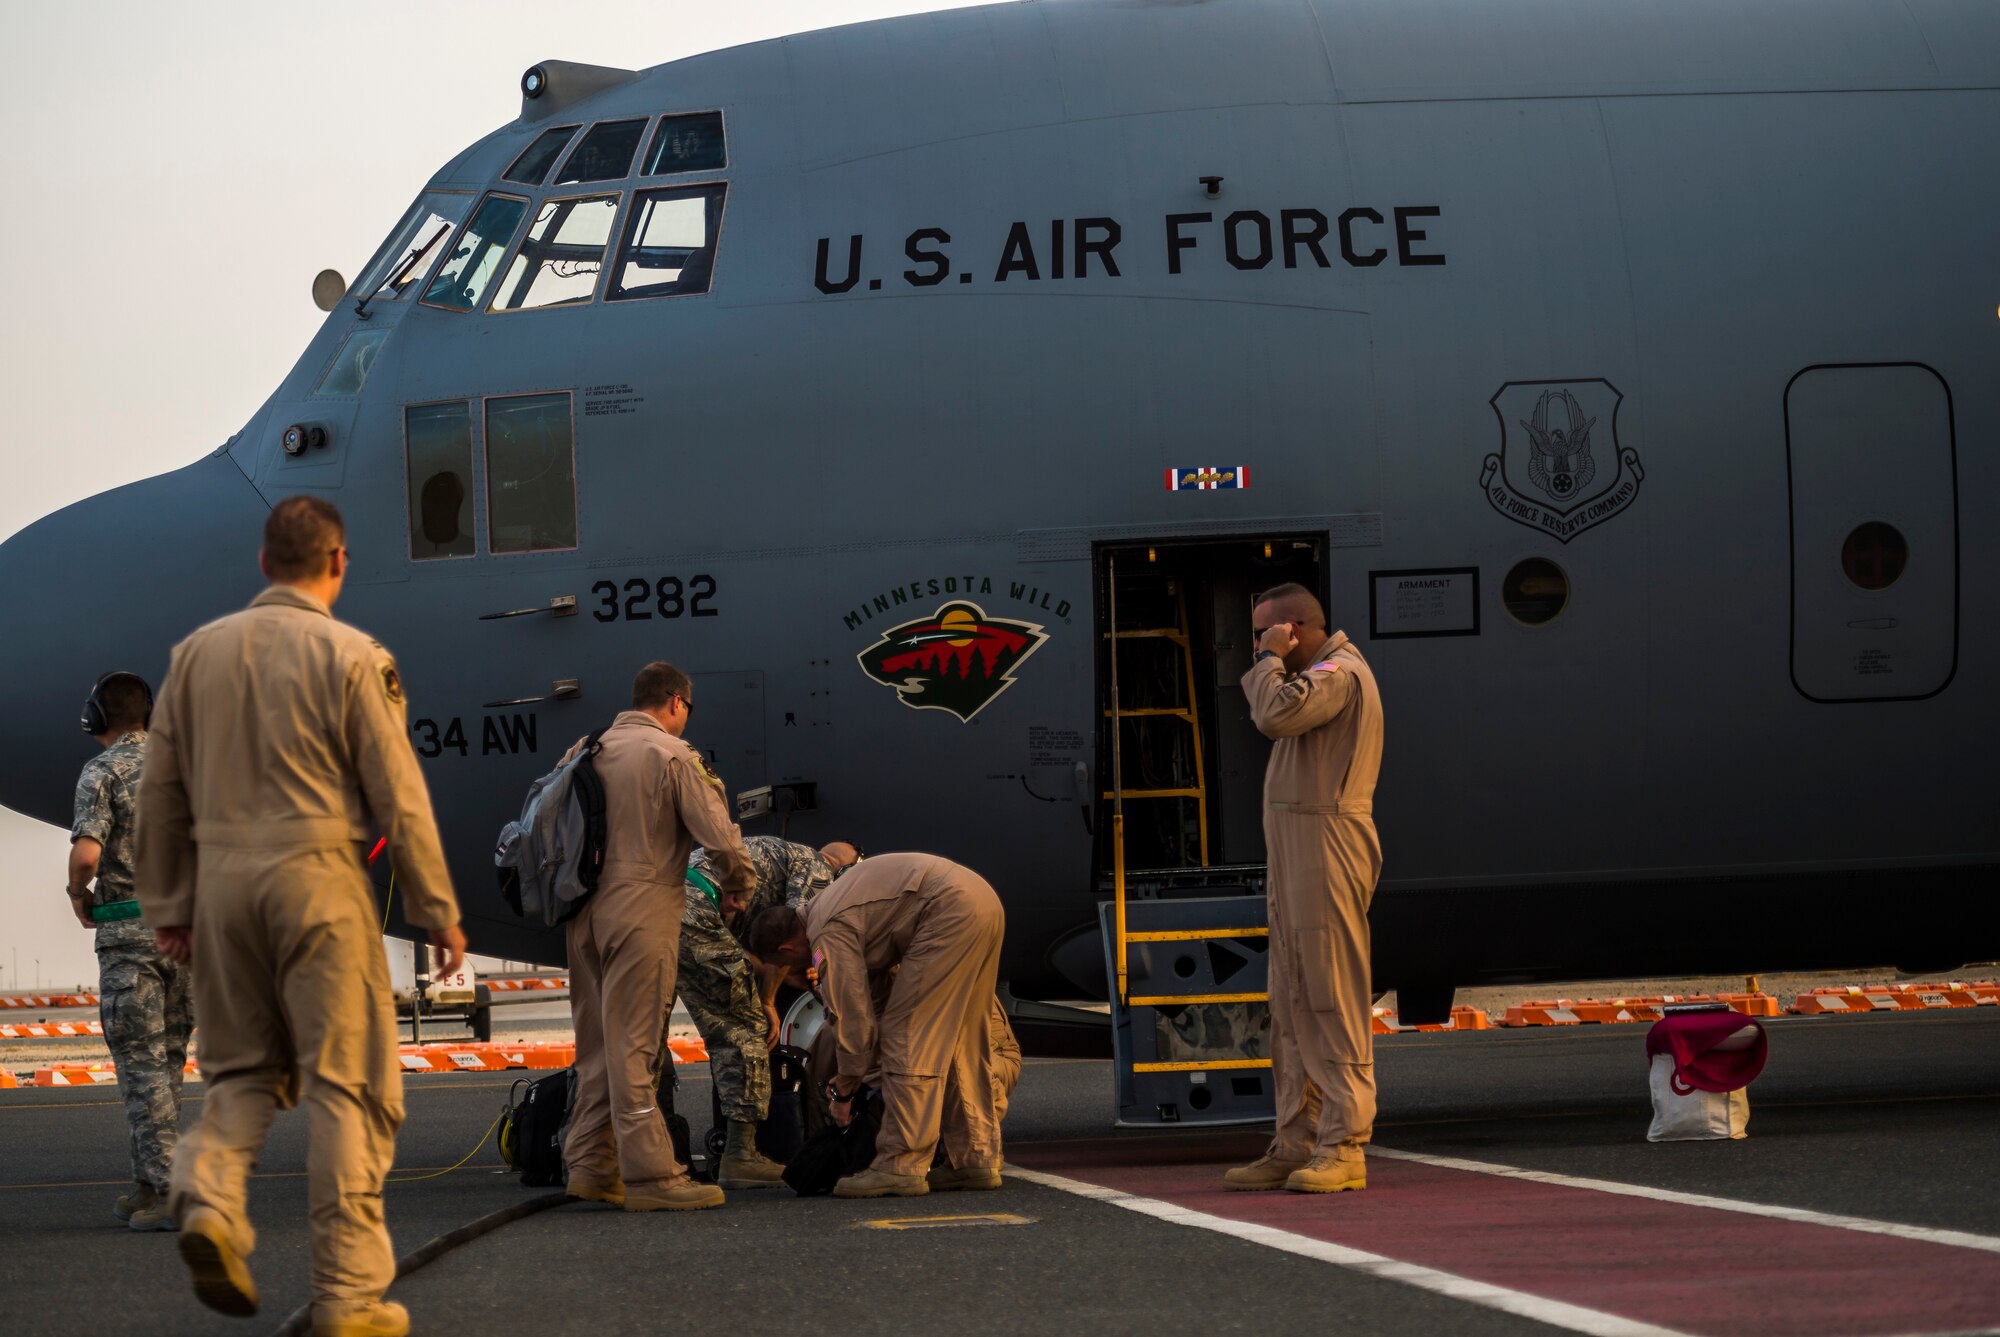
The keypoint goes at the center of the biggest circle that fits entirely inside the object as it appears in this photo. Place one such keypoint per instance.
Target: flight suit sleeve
(844, 985)
(1283, 706)
(163, 833)
(378, 738)
(697, 795)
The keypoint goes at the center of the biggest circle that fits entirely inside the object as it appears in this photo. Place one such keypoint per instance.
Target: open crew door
(1180, 850)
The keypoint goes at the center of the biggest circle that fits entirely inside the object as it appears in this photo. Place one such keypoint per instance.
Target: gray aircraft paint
(1690, 203)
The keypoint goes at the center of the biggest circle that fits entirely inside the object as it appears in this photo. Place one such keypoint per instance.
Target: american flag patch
(1208, 478)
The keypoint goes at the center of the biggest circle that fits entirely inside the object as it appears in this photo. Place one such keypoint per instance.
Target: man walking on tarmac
(938, 926)
(624, 945)
(733, 997)
(1313, 695)
(280, 747)
(142, 993)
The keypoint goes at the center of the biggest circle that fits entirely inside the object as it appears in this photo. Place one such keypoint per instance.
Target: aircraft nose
(111, 583)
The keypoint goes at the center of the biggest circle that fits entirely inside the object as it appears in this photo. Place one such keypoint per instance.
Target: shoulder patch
(392, 685)
(707, 767)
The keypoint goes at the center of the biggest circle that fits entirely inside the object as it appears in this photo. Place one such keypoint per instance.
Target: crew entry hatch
(1180, 847)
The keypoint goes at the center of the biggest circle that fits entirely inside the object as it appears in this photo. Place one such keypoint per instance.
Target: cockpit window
(413, 247)
(532, 167)
(691, 143)
(469, 270)
(605, 153)
(669, 245)
(562, 255)
(530, 474)
(437, 442)
(350, 367)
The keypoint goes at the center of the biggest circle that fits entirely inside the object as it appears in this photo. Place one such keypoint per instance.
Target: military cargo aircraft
(1623, 376)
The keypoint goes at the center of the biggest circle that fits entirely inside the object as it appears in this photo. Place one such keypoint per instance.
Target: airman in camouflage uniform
(732, 1000)
(144, 998)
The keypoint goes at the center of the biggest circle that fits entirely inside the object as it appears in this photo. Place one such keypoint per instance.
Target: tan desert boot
(140, 1198)
(877, 1184)
(683, 1195)
(613, 1192)
(946, 1179)
(1266, 1172)
(221, 1276)
(1326, 1174)
(385, 1318)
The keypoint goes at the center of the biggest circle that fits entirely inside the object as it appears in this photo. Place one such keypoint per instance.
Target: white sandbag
(1683, 1114)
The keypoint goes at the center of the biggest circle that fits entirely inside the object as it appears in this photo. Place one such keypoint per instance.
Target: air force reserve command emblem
(1560, 469)
(958, 659)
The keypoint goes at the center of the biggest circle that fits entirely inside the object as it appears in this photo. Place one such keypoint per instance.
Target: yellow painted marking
(1176, 1000)
(1197, 934)
(1210, 1066)
(940, 1222)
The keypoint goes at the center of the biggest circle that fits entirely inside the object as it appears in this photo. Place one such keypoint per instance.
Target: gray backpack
(549, 860)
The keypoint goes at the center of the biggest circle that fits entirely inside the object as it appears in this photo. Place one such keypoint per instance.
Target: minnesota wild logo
(958, 659)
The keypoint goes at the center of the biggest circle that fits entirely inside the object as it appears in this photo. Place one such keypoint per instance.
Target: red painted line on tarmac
(1695, 1269)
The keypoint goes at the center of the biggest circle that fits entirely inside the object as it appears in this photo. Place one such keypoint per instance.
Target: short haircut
(1298, 600)
(299, 536)
(126, 703)
(658, 681)
(772, 929)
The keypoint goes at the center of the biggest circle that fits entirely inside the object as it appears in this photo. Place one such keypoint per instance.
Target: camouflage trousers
(720, 990)
(145, 1002)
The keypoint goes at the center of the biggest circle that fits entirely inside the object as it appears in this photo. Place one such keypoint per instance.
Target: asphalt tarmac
(1862, 1202)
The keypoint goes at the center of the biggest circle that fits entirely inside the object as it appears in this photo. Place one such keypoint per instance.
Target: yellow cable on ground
(411, 1179)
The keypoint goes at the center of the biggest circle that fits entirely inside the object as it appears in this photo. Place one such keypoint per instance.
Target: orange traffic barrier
(52, 1030)
(48, 1000)
(515, 986)
(1611, 1011)
(1383, 1022)
(1895, 998)
(8, 1081)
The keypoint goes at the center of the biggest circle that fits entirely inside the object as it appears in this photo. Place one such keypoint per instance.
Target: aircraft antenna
(1117, 780)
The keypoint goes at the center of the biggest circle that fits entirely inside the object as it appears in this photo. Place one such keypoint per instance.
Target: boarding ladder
(1198, 791)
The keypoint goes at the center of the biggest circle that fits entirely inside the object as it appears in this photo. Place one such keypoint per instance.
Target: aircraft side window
(562, 255)
(532, 167)
(350, 367)
(467, 273)
(407, 256)
(689, 143)
(1535, 591)
(668, 249)
(437, 447)
(605, 153)
(530, 474)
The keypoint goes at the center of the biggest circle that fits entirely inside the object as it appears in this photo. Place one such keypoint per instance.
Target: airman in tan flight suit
(279, 748)
(660, 798)
(1313, 695)
(938, 927)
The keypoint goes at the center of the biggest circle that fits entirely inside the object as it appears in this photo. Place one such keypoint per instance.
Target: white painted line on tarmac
(1576, 1318)
(1959, 1239)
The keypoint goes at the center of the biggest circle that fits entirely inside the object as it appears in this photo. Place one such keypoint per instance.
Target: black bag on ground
(678, 1131)
(833, 1153)
(533, 1128)
(785, 1125)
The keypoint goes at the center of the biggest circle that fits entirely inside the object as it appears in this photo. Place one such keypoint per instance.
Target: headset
(94, 719)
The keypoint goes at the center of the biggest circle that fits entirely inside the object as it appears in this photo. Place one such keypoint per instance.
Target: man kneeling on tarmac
(733, 997)
(942, 925)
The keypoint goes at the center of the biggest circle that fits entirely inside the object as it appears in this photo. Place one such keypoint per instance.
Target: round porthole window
(1874, 555)
(1535, 591)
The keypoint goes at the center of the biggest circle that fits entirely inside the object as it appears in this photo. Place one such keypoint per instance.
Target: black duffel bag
(833, 1153)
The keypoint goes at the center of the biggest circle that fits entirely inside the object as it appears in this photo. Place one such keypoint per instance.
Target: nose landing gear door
(1874, 511)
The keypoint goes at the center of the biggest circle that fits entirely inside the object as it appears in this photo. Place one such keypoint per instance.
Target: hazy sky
(176, 176)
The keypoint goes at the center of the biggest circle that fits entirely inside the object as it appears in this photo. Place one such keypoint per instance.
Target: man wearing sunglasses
(660, 798)
(1313, 695)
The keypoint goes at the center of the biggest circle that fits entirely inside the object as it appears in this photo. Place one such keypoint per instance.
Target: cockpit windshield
(413, 247)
